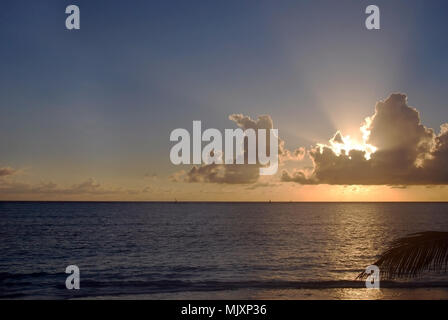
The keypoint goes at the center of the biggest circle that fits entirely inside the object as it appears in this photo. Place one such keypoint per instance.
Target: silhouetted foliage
(409, 256)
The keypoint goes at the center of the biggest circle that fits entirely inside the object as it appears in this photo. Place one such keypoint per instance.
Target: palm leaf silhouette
(413, 254)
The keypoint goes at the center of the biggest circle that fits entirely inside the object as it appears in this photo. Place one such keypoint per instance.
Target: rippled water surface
(179, 250)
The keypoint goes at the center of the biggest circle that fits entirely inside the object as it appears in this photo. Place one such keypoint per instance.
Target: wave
(16, 285)
(19, 276)
(168, 285)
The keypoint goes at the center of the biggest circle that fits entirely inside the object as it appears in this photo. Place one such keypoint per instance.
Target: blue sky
(102, 101)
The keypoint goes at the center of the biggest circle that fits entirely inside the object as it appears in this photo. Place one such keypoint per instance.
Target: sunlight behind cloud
(344, 144)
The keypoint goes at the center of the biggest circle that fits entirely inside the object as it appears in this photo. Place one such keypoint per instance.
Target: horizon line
(213, 201)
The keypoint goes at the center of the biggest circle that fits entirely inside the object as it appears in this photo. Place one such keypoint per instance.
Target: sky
(87, 114)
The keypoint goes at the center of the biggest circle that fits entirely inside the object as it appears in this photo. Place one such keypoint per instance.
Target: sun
(340, 143)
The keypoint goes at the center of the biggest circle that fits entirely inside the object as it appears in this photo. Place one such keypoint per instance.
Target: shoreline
(293, 294)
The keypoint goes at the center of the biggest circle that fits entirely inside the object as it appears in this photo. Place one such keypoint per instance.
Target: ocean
(151, 250)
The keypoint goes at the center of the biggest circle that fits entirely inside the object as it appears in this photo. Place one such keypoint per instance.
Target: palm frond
(413, 254)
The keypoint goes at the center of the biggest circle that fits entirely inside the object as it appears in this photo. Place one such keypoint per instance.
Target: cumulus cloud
(240, 173)
(266, 122)
(221, 173)
(397, 149)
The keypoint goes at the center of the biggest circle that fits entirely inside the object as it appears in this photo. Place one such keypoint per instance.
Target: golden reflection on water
(309, 294)
(358, 294)
(345, 294)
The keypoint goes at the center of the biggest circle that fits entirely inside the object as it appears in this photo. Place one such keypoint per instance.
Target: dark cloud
(220, 173)
(407, 152)
(7, 171)
(337, 138)
(236, 173)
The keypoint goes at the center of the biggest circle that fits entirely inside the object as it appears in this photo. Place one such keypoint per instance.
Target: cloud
(296, 155)
(265, 122)
(152, 176)
(220, 173)
(7, 171)
(88, 187)
(259, 185)
(396, 150)
(239, 173)
(178, 176)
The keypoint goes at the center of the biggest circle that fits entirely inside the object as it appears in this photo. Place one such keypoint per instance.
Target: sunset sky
(87, 114)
